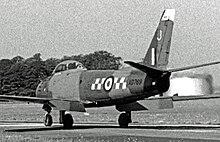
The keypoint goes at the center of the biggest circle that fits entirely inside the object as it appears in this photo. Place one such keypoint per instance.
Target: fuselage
(98, 88)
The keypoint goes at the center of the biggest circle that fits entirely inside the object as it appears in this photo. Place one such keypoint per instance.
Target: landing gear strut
(124, 119)
(48, 120)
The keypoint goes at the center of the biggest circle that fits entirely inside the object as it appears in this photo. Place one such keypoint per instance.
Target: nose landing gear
(65, 119)
(48, 120)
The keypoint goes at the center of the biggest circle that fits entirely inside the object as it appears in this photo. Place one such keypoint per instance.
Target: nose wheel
(124, 119)
(48, 120)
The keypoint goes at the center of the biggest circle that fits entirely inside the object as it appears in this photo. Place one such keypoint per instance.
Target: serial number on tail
(135, 81)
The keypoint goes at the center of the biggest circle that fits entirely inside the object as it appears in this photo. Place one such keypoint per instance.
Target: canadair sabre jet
(73, 88)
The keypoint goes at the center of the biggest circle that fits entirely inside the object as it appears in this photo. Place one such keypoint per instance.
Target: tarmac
(111, 132)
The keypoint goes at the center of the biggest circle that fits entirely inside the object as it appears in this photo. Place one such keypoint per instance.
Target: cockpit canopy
(68, 65)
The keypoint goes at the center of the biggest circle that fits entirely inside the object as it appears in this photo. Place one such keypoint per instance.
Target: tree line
(20, 77)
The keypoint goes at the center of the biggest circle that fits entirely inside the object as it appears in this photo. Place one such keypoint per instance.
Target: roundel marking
(108, 83)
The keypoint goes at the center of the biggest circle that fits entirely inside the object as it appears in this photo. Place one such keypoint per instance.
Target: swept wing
(60, 104)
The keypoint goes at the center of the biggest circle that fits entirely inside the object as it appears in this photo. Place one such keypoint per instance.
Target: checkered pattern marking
(98, 84)
(119, 83)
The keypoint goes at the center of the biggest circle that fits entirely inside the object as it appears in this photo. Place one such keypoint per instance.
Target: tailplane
(158, 53)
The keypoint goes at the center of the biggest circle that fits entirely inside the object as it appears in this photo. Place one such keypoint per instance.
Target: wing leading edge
(59, 104)
(25, 99)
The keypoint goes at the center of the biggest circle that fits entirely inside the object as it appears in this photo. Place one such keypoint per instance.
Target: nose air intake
(42, 90)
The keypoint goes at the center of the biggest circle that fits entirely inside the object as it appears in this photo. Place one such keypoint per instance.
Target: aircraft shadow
(57, 128)
(116, 127)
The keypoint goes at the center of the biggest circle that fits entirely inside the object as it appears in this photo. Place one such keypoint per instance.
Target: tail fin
(158, 53)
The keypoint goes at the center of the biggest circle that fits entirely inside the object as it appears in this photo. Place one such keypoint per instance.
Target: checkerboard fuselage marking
(119, 83)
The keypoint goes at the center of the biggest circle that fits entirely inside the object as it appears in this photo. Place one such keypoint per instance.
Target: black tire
(48, 120)
(67, 121)
(123, 120)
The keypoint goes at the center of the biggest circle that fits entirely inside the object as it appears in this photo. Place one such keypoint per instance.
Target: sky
(125, 28)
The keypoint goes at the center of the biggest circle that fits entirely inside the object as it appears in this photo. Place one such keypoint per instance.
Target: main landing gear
(124, 119)
(65, 119)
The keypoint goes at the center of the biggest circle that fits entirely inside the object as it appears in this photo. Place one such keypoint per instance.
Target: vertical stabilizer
(158, 52)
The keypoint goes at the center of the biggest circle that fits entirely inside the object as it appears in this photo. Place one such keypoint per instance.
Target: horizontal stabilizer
(151, 71)
(186, 98)
(192, 67)
(154, 72)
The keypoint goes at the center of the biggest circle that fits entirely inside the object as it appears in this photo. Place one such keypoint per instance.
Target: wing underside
(59, 104)
(24, 99)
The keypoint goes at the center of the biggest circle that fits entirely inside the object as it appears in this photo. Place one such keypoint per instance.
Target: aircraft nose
(42, 89)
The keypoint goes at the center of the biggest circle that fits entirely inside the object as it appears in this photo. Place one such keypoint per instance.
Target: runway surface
(108, 132)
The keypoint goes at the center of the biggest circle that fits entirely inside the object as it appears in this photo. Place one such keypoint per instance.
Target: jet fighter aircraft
(73, 88)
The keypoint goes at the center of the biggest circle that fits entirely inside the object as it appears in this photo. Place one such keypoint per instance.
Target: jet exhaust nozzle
(163, 83)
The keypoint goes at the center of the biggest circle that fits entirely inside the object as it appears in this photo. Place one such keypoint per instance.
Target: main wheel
(48, 120)
(123, 120)
(67, 121)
